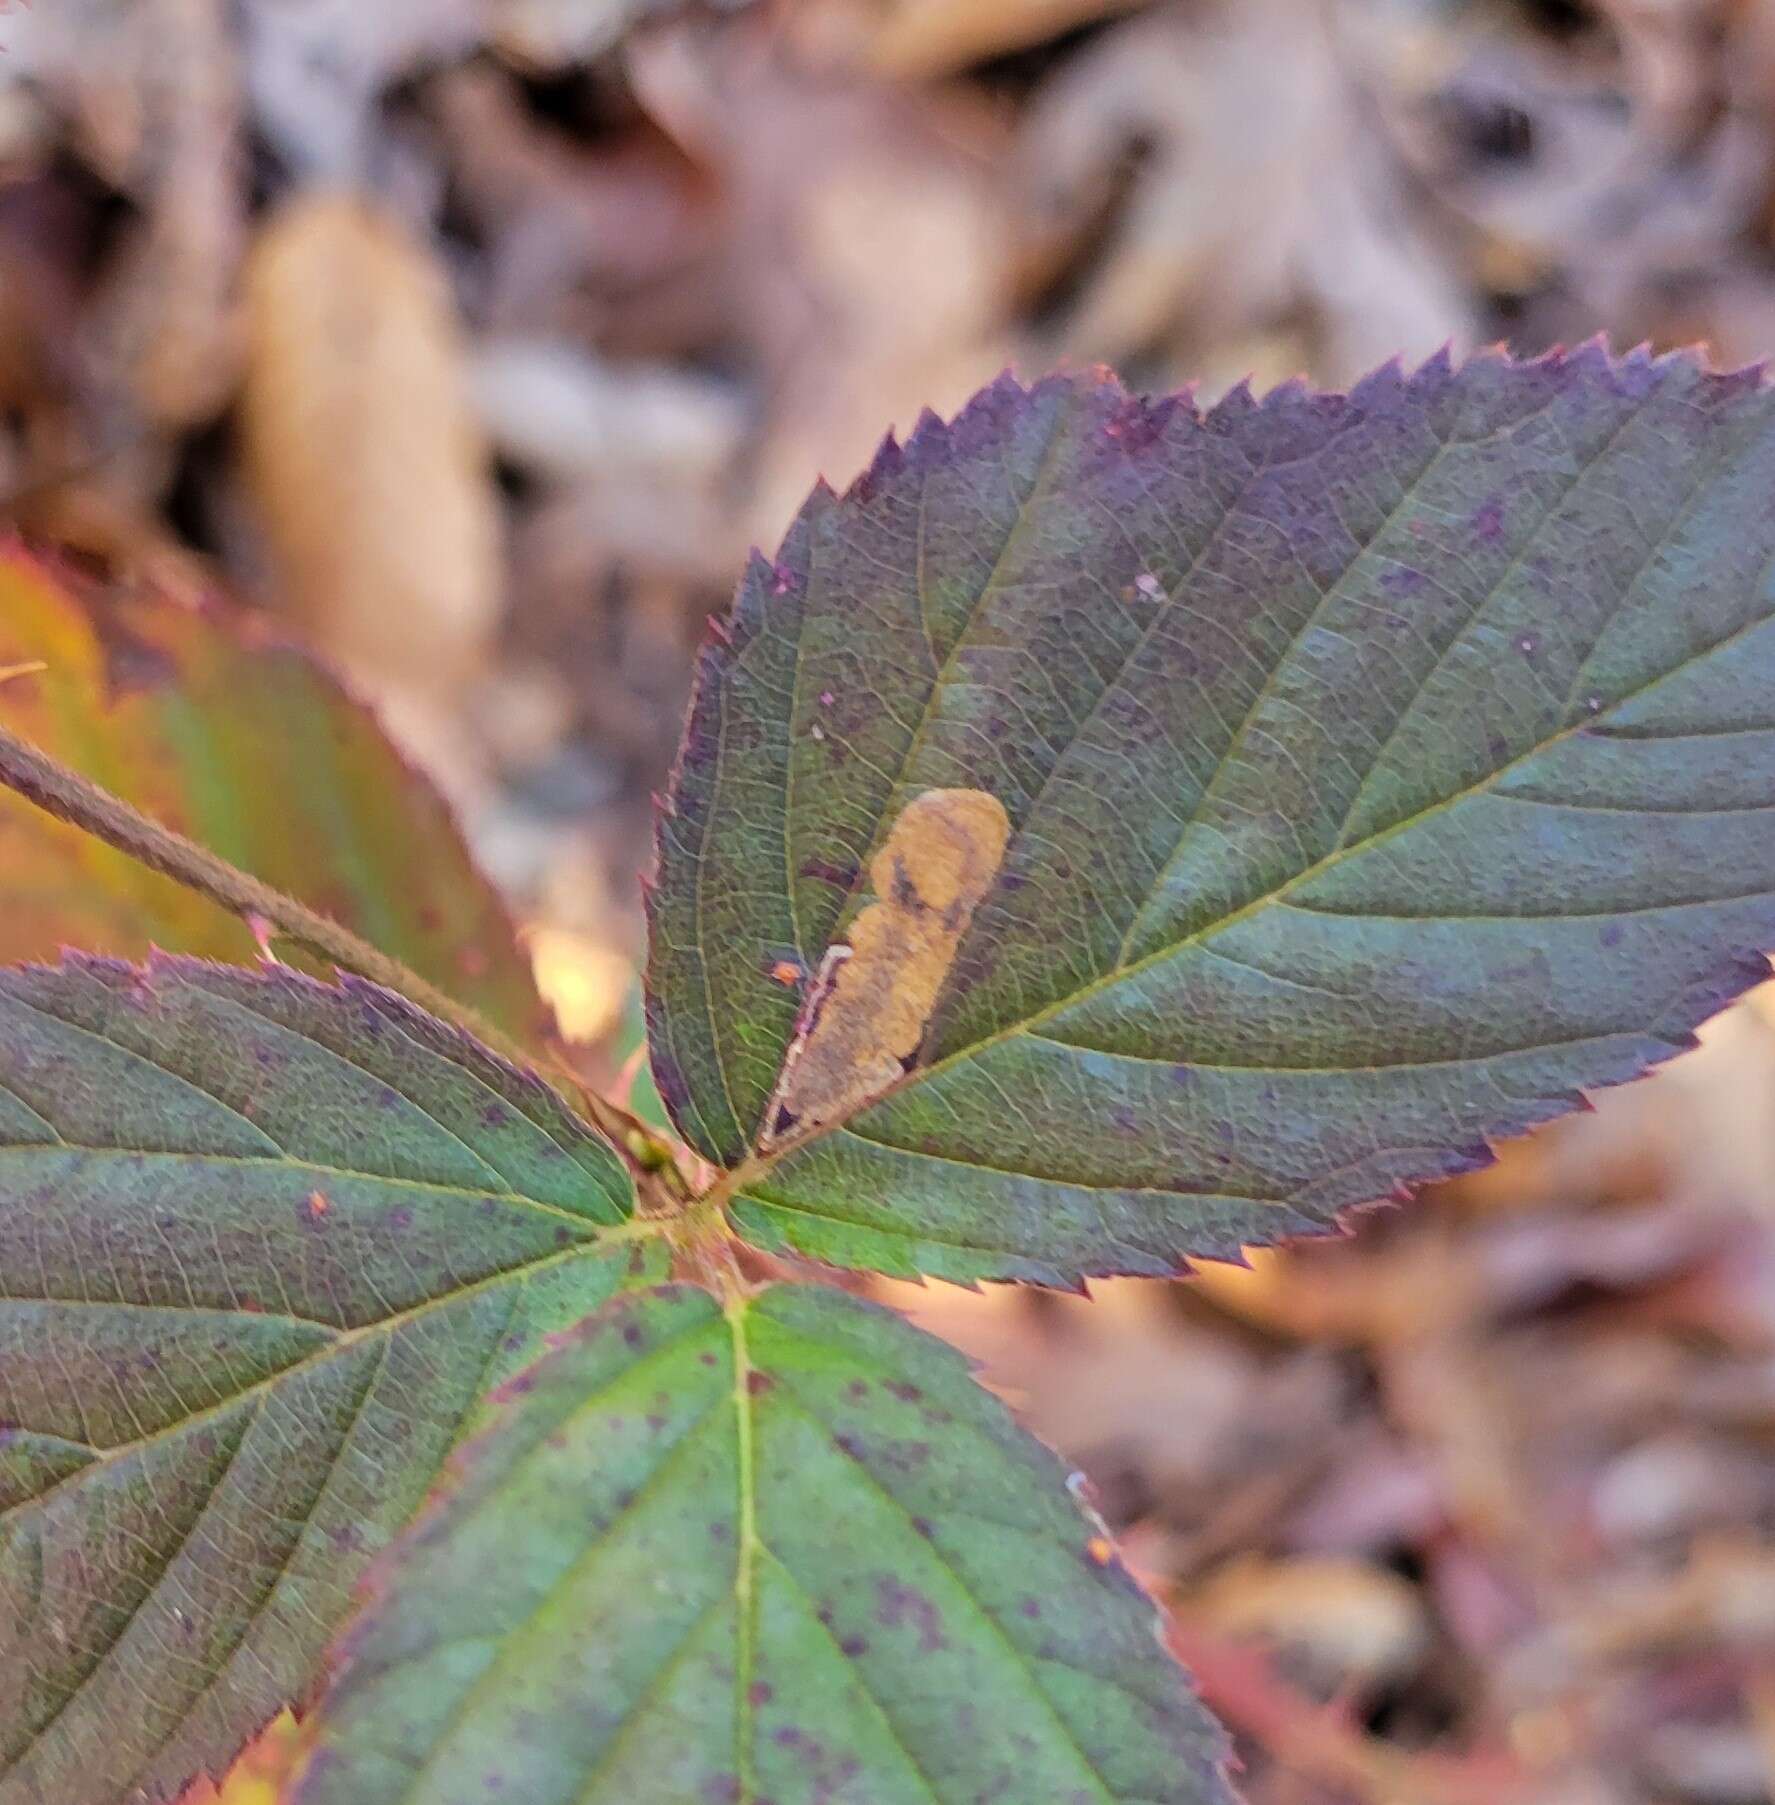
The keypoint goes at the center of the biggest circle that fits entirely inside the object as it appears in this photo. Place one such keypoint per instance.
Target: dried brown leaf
(549, 34)
(914, 40)
(87, 56)
(1607, 173)
(1347, 1622)
(1260, 192)
(864, 256)
(165, 322)
(316, 70)
(610, 241)
(362, 451)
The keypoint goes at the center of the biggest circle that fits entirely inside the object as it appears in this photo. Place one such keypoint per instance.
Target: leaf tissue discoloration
(196, 720)
(869, 1008)
(1389, 769)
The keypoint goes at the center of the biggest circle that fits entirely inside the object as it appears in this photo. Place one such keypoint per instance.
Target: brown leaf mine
(874, 995)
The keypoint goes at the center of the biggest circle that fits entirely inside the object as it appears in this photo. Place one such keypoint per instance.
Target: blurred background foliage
(471, 342)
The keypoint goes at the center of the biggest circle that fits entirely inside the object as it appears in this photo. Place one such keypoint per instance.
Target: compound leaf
(789, 1553)
(252, 749)
(1381, 770)
(264, 1243)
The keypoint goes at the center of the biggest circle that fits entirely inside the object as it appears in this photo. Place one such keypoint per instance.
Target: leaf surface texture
(787, 1552)
(1383, 770)
(264, 1244)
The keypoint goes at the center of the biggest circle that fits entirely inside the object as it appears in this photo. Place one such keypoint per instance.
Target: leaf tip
(1440, 362)
(884, 464)
(1235, 403)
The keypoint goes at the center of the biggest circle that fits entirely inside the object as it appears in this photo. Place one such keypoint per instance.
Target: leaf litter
(1544, 1404)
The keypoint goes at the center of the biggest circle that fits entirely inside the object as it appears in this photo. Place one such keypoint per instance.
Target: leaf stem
(734, 1307)
(69, 797)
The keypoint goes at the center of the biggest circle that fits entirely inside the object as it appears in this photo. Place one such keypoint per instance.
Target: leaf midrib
(596, 1245)
(285, 1162)
(747, 1545)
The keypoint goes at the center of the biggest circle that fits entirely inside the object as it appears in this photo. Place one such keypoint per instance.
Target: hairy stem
(69, 797)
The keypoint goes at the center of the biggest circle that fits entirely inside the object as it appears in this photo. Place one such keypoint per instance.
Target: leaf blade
(186, 715)
(1348, 834)
(263, 1244)
(867, 1584)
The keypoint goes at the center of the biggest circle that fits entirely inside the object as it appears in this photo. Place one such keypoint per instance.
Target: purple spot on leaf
(898, 1604)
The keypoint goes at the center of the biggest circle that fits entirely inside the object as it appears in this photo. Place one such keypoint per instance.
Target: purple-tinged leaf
(789, 1553)
(1383, 771)
(264, 1244)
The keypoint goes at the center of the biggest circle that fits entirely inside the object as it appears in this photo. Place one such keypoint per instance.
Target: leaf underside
(264, 1243)
(1383, 770)
(791, 1554)
(250, 749)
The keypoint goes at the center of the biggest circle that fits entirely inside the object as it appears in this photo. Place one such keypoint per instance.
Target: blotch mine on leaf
(868, 1010)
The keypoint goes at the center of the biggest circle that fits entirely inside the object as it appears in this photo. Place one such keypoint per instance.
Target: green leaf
(264, 1243)
(1382, 770)
(250, 748)
(792, 1553)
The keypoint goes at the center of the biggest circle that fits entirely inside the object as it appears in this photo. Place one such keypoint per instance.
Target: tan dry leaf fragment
(922, 40)
(364, 457)
(163, 328)
(909, 181)
(1262, 202)
(876, 993)
(550, 35)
